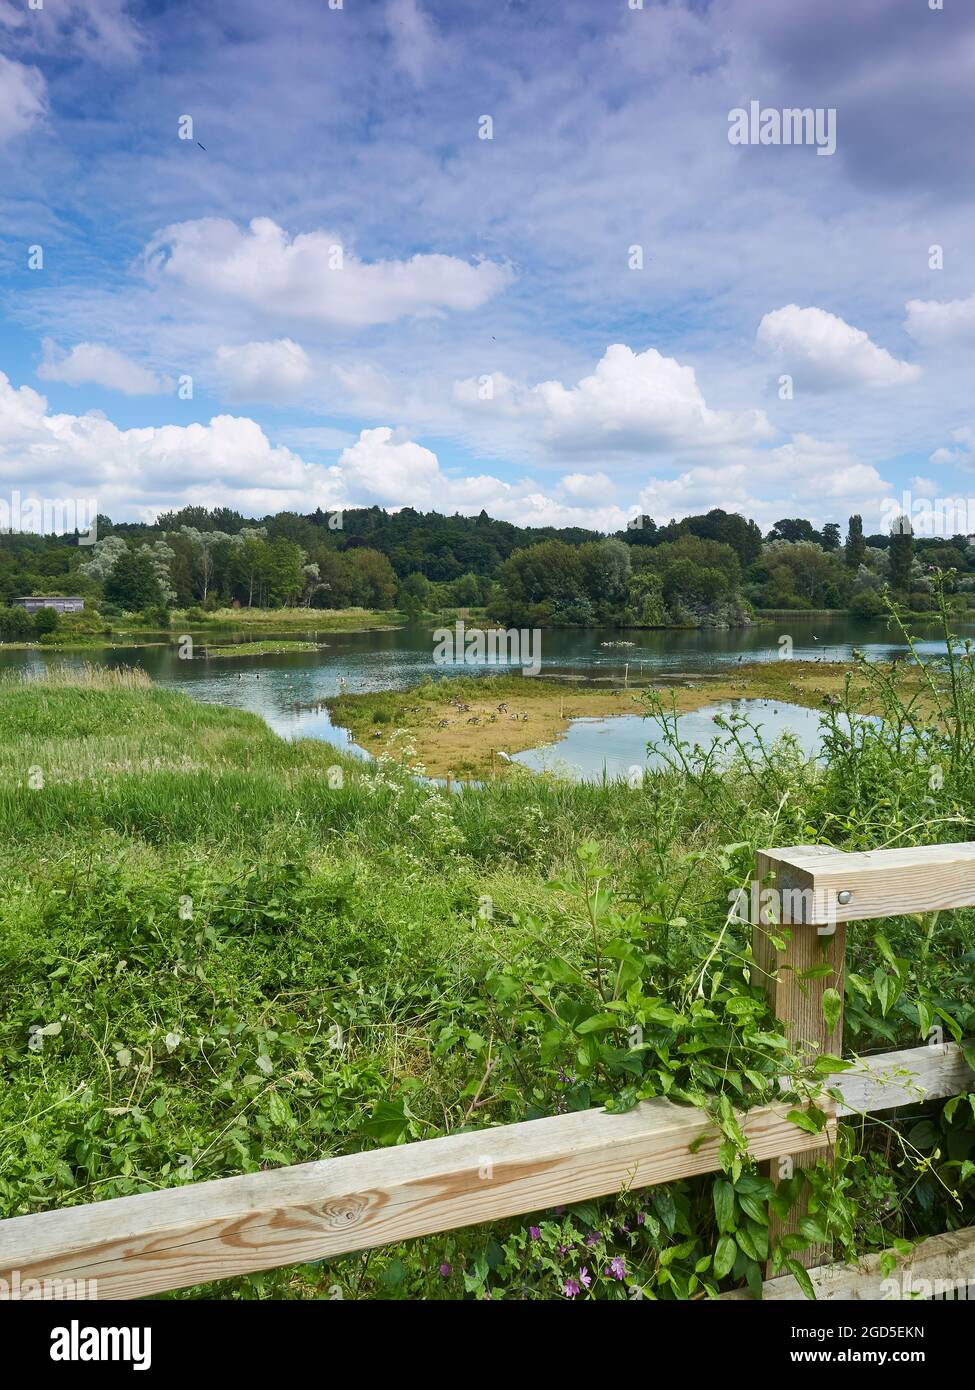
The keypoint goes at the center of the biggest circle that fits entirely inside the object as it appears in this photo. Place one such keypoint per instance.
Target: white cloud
(823, 352)
(940, 323)
(963, 452)
(633, 403)
(804, 477)
(136, 471)
(390, 470)
(229, 461)
(415, 41)
(312, 277)
(23, 98)
(90, 363)
(100, 30)
(587, 486)
(263, 371)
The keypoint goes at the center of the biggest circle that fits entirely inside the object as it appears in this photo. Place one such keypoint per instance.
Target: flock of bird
(492, 718)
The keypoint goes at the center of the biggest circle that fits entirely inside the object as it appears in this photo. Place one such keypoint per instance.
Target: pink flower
(535, 1232)
(617, 1267)
(445, 1271)
(571, 1288)
(585, 1278)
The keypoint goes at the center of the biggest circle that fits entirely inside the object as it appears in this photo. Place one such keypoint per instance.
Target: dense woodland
(716, 568)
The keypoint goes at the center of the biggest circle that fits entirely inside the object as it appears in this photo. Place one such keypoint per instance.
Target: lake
(287, 690)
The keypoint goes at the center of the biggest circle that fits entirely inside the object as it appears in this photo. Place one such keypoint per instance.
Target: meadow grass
(221, 951)
(271, 647)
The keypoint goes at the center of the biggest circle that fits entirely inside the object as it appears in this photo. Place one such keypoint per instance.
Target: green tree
(134, 582)
(901, 553)
(285, 571)
(46, 620)
(415, 593)
(373, 579)
(856, 546)
(251, 563)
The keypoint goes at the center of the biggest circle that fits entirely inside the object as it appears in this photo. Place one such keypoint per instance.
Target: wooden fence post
(813, 938)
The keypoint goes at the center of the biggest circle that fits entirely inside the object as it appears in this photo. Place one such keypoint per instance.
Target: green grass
(269, 648)
(244, 952)
(280, 619)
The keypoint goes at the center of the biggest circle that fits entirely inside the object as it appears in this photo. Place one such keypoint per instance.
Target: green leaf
(745, 1243)
(801, 1278)
(725, 1254)
(805, 1119)
(754, 1208)
(832, 1004)
(394, 1273)
(825, 1065)
(389, 1122)
(599, 1023)
(724, 1205)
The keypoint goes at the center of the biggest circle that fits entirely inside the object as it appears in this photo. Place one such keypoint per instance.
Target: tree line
(712, 568)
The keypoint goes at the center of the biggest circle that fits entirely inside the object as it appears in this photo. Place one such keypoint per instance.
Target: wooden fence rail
(177, 1237)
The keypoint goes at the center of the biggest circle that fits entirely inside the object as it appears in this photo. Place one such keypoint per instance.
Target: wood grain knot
(338, 1216)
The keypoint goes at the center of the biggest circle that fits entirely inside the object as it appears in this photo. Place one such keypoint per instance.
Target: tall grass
(235, 951)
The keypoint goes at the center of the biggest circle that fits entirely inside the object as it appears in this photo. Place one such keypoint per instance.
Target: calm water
(614, 747)
(287, 690)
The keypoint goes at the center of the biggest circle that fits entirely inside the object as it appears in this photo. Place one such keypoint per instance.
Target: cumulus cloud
(632, 403)
(962, 451)
(590, 487)
(93, 364)
(805, 476)
(134, 472)
(824, 353)
(942, 323)
(387, 468)
(263, 371)
(230, 461)
(312, 277)
(23, 98)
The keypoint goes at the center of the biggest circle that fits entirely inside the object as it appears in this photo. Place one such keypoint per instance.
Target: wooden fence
(177, 1237)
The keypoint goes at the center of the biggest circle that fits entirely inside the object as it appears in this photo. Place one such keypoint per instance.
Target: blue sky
(374, 304)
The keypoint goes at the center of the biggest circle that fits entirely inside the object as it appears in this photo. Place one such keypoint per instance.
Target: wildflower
(535, 1232)
(617, 1267)
(571, 1288)
(592, 1238)
(641, 1217)
(585, 1278)
(445, 1271)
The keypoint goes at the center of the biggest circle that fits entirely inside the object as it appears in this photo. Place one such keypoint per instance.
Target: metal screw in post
(844, 897)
